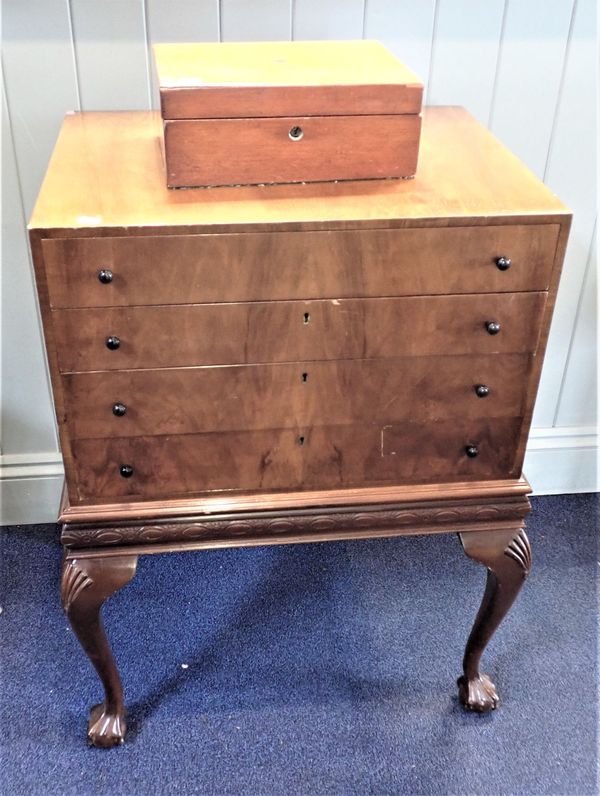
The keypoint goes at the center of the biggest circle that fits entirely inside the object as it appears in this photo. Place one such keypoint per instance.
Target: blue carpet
(310, 669)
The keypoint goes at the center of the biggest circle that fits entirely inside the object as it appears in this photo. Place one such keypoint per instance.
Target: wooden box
(281, 112)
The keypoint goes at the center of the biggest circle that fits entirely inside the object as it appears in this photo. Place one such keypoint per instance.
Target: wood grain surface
(209, 152)
(390, 339)
(229, 80)
(259, 397)
(264, 527)
(324, 457)
(414, 250)
(182, 269)
(106, 174)
(224, 334)
(123, 510)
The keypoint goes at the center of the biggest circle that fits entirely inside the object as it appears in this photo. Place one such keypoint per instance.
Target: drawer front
(182, 269)
(158, 337)
(294, 459)
(262, 397)
(290, 149)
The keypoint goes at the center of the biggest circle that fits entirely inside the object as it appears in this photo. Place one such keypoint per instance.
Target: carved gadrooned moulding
(302, 525)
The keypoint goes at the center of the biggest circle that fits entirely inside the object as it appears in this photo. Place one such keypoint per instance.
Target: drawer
(224, 334)
(294, 459)
(290, 149)
(182, 269)
(260, 397)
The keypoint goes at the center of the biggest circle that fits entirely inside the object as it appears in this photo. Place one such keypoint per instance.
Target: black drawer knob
(119, 410)
(296, 133)
(492, 327)
(472, 451)
(503, 263)
(105, 276)
(113, 342)
(126, 471)
(482, 390)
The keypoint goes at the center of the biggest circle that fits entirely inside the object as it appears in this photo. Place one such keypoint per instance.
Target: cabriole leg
(507, 555)
(85, 584)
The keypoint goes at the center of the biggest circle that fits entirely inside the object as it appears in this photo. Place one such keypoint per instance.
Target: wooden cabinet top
(107, 172)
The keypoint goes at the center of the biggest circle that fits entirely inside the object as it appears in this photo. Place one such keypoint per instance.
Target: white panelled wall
(525, 68)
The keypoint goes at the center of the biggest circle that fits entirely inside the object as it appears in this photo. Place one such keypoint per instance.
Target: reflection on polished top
(279, 63)
(107, 171)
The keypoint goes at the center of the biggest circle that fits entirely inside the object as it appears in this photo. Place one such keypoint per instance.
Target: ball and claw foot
(85, 585)
(105, 730)
(478, 694)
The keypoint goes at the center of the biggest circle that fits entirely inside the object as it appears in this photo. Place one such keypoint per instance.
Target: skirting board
(558, 461)
(30, 488)
(563, 460)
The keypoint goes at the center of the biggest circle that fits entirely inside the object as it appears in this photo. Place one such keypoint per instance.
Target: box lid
(313, 78)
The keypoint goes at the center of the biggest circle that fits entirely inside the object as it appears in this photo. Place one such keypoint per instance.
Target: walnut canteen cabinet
(291, 363)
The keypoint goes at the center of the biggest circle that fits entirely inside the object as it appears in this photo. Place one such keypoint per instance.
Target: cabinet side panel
(538, 359)
(35, 239)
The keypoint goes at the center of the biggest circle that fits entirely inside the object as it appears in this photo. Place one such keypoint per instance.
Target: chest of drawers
(264, 365)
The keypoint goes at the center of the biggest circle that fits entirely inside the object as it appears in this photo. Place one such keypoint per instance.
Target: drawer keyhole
(301, 441)
(296, 133)
(306, 318)
(304, 378)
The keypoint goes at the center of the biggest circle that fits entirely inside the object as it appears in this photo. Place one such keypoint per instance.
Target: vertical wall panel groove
(112, 54)
(149, 80)
(560, 90)
(571, 174)
(576, 319)
(364, 19)
(261, 20)
(577, 402)
(498, 62)
(74, 50)
(436, 7)
(27, 420)
(328, 19)
(178, 21)
(528, 73)
(463, 66)
(407, 30)
(40, 83)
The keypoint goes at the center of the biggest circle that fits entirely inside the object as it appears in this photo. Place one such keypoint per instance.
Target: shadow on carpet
(309, 669)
